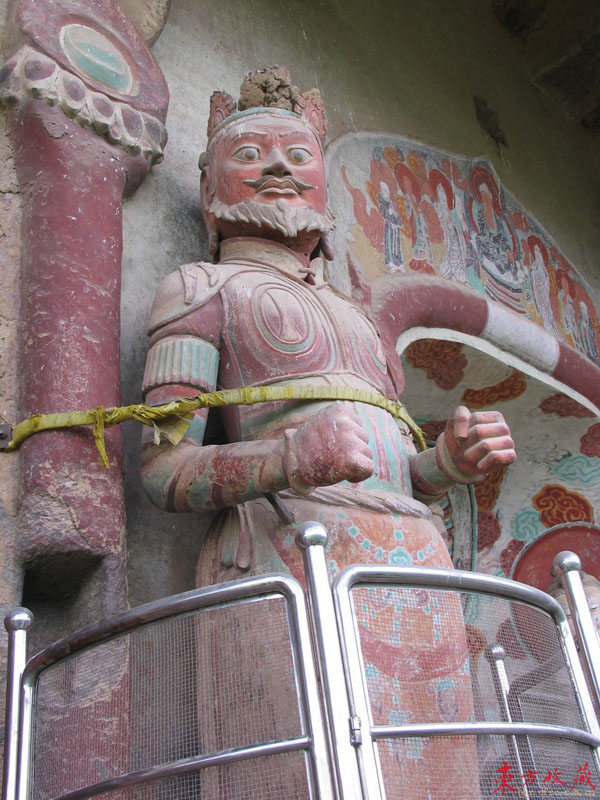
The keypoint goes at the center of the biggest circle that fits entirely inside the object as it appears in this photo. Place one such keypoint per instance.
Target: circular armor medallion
(285, 318)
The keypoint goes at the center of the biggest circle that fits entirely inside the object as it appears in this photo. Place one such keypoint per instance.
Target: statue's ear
(204, 189)
(210, 220)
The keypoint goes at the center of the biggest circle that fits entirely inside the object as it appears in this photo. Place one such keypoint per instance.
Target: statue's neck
(268, 253)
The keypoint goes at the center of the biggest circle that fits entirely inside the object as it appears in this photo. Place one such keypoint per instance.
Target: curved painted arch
(403, 302)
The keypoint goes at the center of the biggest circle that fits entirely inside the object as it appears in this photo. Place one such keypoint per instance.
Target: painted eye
(299, 155)
(247, 153)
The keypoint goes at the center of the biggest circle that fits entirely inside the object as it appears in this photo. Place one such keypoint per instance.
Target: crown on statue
(269, 88)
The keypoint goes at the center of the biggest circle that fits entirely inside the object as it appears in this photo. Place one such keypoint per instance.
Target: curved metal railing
(262, 683)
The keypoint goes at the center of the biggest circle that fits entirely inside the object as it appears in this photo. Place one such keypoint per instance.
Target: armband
(184, 360)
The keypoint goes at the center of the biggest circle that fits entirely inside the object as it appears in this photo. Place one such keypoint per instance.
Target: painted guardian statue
(263, 314)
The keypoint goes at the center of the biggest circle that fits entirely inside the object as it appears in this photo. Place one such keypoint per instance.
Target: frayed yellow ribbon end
(99, 438)
(173, 429)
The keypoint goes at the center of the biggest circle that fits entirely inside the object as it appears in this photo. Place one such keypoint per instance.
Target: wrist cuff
(427, 478)
(446, 465)
(290, 465)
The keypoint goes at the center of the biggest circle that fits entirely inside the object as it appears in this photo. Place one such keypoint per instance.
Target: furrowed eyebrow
(261, 137)
(298, 136)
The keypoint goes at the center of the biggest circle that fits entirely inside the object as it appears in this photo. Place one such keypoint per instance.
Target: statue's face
(266, 159)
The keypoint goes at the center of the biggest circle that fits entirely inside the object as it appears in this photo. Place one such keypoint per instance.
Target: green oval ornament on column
(97, 57)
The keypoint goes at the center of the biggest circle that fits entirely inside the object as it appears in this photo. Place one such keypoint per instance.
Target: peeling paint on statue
(266, 315)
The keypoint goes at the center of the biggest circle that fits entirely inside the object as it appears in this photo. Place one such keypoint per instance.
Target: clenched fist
(329, 447)
(473, 445)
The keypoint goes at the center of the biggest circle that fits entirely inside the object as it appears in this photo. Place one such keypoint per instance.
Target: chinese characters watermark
(509, 781)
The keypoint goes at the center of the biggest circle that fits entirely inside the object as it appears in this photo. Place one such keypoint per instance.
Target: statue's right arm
(183, 360)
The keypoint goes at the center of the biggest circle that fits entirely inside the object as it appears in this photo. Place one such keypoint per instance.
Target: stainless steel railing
(305, 675)
(310, 738)
(586, 732)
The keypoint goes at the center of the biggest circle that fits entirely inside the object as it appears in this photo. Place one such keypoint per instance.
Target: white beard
(289, 220)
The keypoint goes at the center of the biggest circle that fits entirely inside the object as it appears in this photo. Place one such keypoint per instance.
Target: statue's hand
(473, 445)
(329, 447)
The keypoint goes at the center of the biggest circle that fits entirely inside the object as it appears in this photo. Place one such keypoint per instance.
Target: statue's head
(263, 172)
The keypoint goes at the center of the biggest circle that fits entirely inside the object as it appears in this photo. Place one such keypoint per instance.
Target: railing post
(17, 622)
(495, 655)
(567, 568)
(311, 539)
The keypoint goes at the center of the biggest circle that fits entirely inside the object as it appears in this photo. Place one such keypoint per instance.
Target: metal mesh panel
(247, 694)
(81, 720)
(428, 658)
(559, 769)
(276, 777)
(202, 682)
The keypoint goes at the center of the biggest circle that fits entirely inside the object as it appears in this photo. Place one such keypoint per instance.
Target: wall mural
(406, 207)
(556, 478)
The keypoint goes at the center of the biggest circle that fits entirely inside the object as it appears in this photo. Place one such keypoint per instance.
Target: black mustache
(297, 184)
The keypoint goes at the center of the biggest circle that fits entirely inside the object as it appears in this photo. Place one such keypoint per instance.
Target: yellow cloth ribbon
(172, 419)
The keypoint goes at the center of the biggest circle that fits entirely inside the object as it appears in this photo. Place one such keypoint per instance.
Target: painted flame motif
(443, 362)
(564, 406)
(590, 441)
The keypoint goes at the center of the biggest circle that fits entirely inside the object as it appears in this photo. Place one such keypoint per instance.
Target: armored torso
(277, 326)
(272, 320)
(260, 318)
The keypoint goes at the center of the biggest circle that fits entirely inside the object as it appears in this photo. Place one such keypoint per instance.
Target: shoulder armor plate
(190, 286)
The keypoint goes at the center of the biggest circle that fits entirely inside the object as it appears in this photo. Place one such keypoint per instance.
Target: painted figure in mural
(569, 320)
(392, 237)
(264, 314)
(540, 286)
(491, 240)
(587, 333)
(582, 330)
(454, 262)
(422, 256)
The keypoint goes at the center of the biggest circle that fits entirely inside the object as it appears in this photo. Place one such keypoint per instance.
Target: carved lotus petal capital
(38, 77)
(31, 75)
(71, 91)
(102, 111)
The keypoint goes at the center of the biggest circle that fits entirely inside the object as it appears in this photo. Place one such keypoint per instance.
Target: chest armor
(278, 328)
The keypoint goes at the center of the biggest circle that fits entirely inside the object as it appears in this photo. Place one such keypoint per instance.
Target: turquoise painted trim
(183, 360)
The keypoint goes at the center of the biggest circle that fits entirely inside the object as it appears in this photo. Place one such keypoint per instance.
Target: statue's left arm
(470, 446)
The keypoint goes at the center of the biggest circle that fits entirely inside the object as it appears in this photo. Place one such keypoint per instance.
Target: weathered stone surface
(520, 17)
(10, 219)
(148, 17)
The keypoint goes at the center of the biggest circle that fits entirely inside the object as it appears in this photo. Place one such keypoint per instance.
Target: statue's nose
(276, 165)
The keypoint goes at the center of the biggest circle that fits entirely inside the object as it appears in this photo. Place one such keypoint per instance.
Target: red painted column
(72, 184)
(86, 103)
